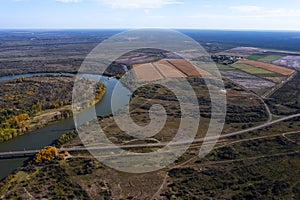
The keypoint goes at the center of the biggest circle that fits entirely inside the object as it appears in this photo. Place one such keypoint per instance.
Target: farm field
(255, 71)
(276, 79)
(146, 72)
(270, 67)
(247, 80)
(289, 61)
(256, 157)
(187, 68)
(254, 57)
(224, 67)
(269, 58)
(166, 69)
(264, 58)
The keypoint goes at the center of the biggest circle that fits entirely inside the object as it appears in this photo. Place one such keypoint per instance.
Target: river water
(47, 135)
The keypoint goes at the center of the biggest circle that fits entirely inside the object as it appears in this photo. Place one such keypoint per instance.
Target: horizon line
(173, 28)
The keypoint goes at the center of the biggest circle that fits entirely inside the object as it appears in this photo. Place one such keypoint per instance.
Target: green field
(261, 58)
(255, 71)
(270, 58)
(255, 57)
(225, 67)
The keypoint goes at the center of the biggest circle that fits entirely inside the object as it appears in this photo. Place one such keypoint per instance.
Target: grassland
(270, 58)
(264, 58)
(225, 67)
(255, 71)
(262, 163)
(270, 67)
(286, 99)
(255, 57)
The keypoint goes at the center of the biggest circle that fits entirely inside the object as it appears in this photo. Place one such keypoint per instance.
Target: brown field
(267, 66)
(187, 68)
(146, 72)
(276, 79)
(166, 69)
(169, 70)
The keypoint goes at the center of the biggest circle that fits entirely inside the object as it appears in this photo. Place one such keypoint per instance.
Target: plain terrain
(257, 156)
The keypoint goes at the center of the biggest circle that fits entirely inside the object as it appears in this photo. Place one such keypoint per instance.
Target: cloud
(68, 1)
(262, 14)
(246, 8)
(145, 4)
(283, 13)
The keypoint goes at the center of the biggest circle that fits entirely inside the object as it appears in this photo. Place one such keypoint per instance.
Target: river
(47, 135)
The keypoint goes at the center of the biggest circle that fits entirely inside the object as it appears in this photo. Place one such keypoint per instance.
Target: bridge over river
(28, 153)
(17, 154)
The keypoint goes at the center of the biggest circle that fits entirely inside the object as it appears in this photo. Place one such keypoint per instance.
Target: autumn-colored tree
(46, 154)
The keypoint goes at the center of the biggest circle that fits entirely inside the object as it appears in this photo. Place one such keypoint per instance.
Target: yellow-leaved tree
(46, 154)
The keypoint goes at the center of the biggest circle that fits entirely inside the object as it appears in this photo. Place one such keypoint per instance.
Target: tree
(46, 154)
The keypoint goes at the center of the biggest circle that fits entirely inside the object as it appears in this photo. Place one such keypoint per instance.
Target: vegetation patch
(267, 66)
(225, 67)
(255, 71)
(255, 57)
(286, 100)
(269, 58)
(31, 103)
(46, 154)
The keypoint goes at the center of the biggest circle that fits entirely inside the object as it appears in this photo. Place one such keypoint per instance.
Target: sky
(181, 14)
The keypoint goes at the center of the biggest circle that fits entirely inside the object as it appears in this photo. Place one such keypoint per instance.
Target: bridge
(29, 153)
(17, 154)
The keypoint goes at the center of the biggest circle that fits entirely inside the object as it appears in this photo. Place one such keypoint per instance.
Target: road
(181, 143)
(277, 87)
(12, 154)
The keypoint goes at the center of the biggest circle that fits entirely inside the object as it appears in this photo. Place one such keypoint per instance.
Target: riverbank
(47, 135)
(32, 103)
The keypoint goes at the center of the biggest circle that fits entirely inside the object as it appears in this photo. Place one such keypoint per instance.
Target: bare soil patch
(289, 61)
(146, 72)
(168, 69)
(187, 68)
(247, 80)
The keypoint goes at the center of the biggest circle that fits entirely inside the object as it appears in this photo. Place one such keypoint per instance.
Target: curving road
(32, 152)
